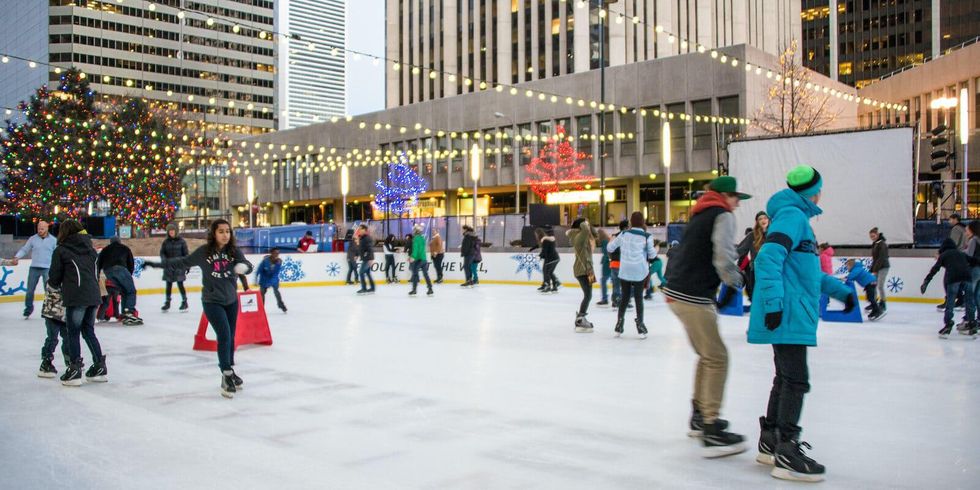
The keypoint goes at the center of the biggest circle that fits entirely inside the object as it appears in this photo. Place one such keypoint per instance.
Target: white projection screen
(867, 181)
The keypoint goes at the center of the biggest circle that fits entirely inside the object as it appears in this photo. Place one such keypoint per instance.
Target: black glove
(774, 319)
(849, 303)
(727, 297)
(923, 287)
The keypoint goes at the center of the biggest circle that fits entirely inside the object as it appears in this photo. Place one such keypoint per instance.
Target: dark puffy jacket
(549, 253)
(956, 263)
(73, 269)
(879, 255)
(366, 247)
(174, 248)
(468, 247)
(116, 254)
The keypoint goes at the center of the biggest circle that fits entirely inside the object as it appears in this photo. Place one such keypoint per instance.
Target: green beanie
(805, 180)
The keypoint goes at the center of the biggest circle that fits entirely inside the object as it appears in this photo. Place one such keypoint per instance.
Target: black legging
(180, 287)
(636, 289)
(549, 274)
(390, 268)
(583, 281)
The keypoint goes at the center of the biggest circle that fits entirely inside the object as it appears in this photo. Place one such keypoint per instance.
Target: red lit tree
(557, 167)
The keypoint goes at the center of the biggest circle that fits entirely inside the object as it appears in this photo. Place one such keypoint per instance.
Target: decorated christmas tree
(399, 191)
(557, 167)
(50, 157)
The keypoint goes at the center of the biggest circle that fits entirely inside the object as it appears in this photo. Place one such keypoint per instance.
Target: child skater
(857, 273)
(656, 269)
(956, 280)
(267, 275)
(221, 263)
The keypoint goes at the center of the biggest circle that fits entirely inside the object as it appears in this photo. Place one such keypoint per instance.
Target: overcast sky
(365, 33)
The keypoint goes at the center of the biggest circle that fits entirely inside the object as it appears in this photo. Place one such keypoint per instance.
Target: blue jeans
(366, 273)
(124, 281)
(55, 328)
(223, 319)
(468, 268)
(975, 274)
(81, 321)
(603, 279)
(616, 291)
(33, 274)
(420, 265)
(352, 270)
(474, 268)
(952, 291)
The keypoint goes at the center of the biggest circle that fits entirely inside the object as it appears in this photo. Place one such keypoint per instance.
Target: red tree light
(556, 167)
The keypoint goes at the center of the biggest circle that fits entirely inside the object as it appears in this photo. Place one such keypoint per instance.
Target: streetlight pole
(665, 149)
(475, 174)
(964, 140)
(344, 189)
(517, 167)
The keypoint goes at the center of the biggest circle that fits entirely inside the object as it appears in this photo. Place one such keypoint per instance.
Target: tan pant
(701, 323)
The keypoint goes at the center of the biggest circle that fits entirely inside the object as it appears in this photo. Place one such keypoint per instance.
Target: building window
(627, 129)
(702, 129)
(845, 68)
(526, 145)
(583, 135)
(507, 147)
(652, 129)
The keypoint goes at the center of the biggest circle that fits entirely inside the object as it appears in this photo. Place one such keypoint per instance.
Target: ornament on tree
(556, 167)
(400, 191)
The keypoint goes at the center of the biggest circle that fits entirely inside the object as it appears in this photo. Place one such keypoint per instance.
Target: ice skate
(166, 306)
(944, 332)
(696, 423)
(131, 320)
(552, 290)
(227, 384)
(767, 443)
(602, 303)
(876, 315)
(792, 464)
(411, 293)
(543, 288)
(619, 328)
(429, 292)
(282, 306)
(97, 372)
(239, 384)
(641, 329)
(719, 443)
(582, 325)
(47, 369)
(183, 306)
(27, 311)
(73, 375)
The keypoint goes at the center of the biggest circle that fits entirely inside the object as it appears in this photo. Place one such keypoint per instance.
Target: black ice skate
(582, 325)
(719, 443)
(697, 422)
(944, 332)
(73, 375)
(965, 327)
(166, 305)
(183, 306)
(792, 464)
(429, 292)
(767, 443)
(239, 384)
(619, 328)
(47, 369)
(228, 384)
(412, 293)
(543, 289)
(129, 318)
(97, 372)
(641, 329)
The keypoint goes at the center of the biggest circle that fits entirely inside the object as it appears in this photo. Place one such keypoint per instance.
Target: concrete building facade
(448, 47)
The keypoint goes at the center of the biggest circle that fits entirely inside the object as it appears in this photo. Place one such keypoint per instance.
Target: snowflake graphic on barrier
(841, 269)
(895, 284)
(138, 265)
(292, 270)
(528, 263)
(4, 290)
(333, 269)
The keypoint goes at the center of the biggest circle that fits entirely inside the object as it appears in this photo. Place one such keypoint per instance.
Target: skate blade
(227, 394)
(643, 336)
(785, 474)
(695, 433)
(46, 375)
(766, 459)
(72, 382)
(723, 451)
(97, 379)
(583, 330)
(618, 335)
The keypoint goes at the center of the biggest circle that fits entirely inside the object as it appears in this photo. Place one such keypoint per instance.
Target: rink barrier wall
(512, 268)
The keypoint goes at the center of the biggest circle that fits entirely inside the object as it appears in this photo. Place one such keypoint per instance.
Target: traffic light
(942, 148)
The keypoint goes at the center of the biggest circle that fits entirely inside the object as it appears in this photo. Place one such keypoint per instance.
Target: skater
(550, 258)
(437, 249)
(73, 271)
(606, 274)
(468, 250)
(390, 250)
(40, 247)
(174, 247)
(417, 260)
(827, 259)
(53, 312)
(614, 269)
(221, 262)
(704, 259)
(879, 264)
(583, 242)
(116, 260)
(957, 280)
(857, 273)
(749, 248)
(656, 269)
(636, 252)
(365, 250)
(973, 250)
(957, 230)
(785, 314)
(350, 245)
(267, 275)
(307, 244)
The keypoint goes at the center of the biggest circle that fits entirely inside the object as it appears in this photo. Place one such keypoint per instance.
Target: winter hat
(760, 214)
(115, 239)
(805, 180)
(418, 228)
(171, 226)
(727, 184)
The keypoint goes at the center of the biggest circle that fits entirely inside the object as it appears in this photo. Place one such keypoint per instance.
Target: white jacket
(636, 250)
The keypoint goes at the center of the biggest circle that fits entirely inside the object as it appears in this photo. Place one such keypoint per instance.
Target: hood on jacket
(789, 198)
(948, 244)
(79, 244)
(176, 230)
(710, 199)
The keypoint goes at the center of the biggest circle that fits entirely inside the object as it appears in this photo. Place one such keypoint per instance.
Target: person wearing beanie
(749, 247)
(957, 281)
(307, 244)
(418, 261)
(583, 237)
(696, 267)
(784, 313)
(550, 258)
(617, 289)
(117, 261)
(174, 247)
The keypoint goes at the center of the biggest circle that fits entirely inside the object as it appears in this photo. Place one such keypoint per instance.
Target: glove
(240, 269)
(726, 299)
(923, 287)
(774, 319)
(849, 303)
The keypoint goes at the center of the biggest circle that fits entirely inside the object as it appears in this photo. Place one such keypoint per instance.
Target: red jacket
(305, 243)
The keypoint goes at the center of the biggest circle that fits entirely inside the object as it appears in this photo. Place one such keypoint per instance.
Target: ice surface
(482, 388)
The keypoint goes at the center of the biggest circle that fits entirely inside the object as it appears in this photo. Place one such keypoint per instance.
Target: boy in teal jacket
(785, 310)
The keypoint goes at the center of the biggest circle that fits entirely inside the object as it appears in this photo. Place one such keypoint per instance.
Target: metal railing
(929, 58)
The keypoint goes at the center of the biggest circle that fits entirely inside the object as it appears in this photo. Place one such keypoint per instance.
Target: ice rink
(481, 388)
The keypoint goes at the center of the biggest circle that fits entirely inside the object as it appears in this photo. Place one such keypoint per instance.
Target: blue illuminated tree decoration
(399, 192)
